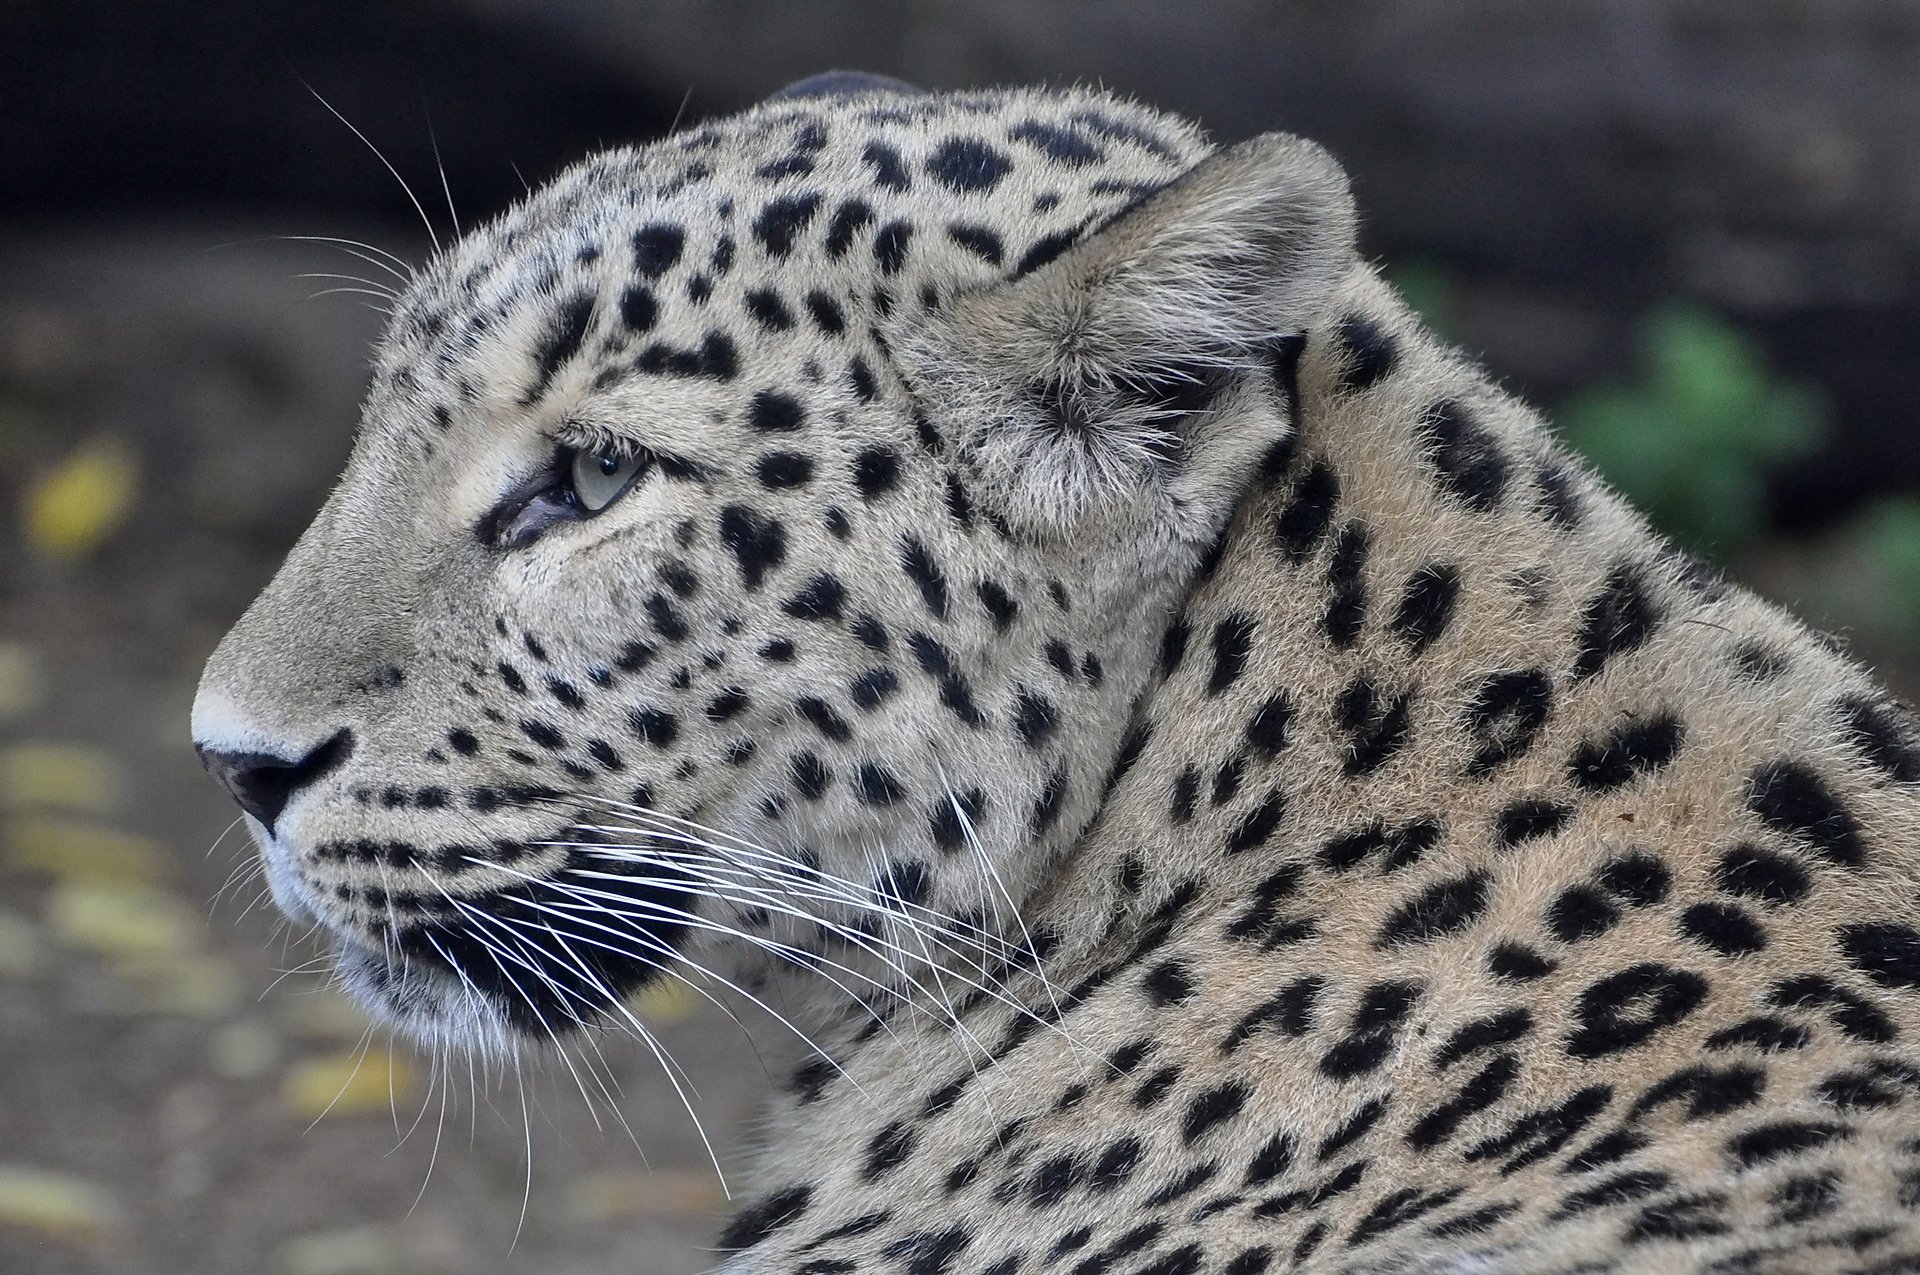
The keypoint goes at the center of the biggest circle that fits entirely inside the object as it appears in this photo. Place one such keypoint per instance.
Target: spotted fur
(1223, 789)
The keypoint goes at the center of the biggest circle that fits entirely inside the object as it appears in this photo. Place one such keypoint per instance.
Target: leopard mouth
(538, 960)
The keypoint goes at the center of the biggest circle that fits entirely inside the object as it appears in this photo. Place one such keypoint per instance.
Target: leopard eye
(599, 476)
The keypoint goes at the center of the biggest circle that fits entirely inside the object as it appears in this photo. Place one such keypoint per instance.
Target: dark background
(1691, 231)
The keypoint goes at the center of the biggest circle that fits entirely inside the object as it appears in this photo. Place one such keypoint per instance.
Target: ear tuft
(1071, 380)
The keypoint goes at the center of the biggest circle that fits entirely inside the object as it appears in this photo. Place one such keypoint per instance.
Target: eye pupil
(609, 465)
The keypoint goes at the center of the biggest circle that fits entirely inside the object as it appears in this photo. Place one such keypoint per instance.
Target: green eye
(599, 476)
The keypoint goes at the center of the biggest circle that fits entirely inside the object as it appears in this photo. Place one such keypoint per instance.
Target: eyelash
(550, 498)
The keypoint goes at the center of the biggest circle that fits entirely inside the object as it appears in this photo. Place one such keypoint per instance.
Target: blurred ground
(157, 1077)
(172, 408)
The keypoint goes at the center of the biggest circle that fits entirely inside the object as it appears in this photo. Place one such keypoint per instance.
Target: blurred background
(1691, 230)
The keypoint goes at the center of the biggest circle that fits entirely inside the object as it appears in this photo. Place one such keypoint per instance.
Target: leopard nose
(264, 783)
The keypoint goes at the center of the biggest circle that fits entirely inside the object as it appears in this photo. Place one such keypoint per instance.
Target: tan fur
(1285, 878)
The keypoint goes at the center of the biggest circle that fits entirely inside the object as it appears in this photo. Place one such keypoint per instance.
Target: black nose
(263, 784)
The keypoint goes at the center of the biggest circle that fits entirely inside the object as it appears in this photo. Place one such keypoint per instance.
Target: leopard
(1211, 784)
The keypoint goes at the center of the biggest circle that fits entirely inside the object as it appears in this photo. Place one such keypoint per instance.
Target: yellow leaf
(124, 924)
(83, 500)
(621, 1197)
(55, 1206)
(348, 1084)
(65, 776)
(75, 849)
(667, 1001)
(191, 985)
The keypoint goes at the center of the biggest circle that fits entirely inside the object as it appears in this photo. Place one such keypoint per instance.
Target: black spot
(1726, 929)
(980, 241)
(810, 776)
(560, 342)
(1502, 1028)
(920, 567)
(1518, 963)
(1168, 983)
(1376, 725)
(1115, 1164)
(463, 741)
(638, 309)
(1618, 619)
(1885, 952)
(1885, 734)
(1639, 879)
(968, 164)
(1273, 1159)
(1062, 145)
(1559, 494)
(1211, 1107)
(1346, 578)
(1034, 717)
(759, 543)
(1441, 909)
(822, 598)
(765, 305)
(1399, 846)
(778, 651)
(848, 220)
(889, 171)
(728, 704)
(1298, 528)
(1466, 459)
(1755, 873)
(1530, 818)
(772, 412)
(953, 816)
(544, 735)
(836, 522)
(1383, 1008)
(1763, 1032)
(1484, 1089)
(1791, 798)
(784, 469)
(1173, 645)
(653, 725)
(1226, 780)
(1632, 750)
(1543, 1131)
(784, 218)
(1001, 607)
(871, 688)
(876, 471)
(1767, 1142)
(1290, 1012)
(716, 359)
(826, 313)
(1854, 1016)
(886, 1151)
(1626, 1008)
(1427, 605)
(1370, 353)
(1232, 643)
(1505, 715)
(1186, 791)
(1707, 1091)
(890, 246)
(761, 1219)
(657, 248)
(1260, 823)
(1267, 728)
(1581, 912)
(824, 719)
(1046, 808)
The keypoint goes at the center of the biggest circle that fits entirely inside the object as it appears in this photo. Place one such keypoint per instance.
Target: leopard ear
(1086, 383)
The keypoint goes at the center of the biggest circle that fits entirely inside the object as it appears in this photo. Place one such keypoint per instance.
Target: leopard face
(755, 545)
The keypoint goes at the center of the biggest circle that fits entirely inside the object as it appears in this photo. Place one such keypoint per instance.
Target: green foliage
(1427, 287)
(1889, 534)
(1692, 438)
